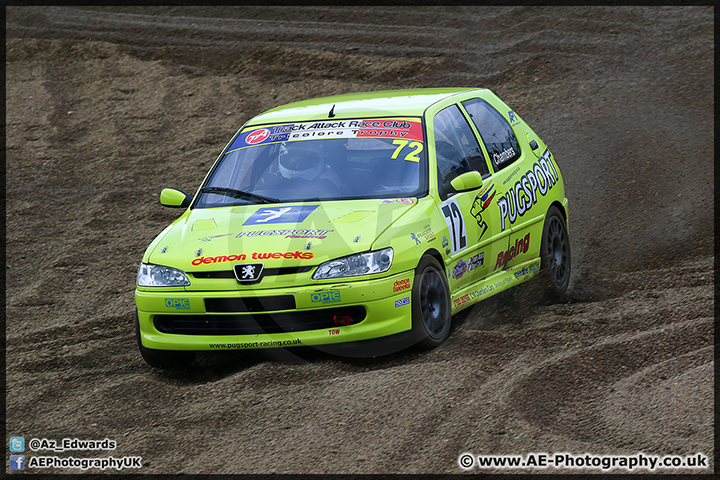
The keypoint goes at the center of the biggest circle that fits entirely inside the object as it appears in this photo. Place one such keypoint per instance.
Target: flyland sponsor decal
(296, 255)
(522, 196)
(402, 128)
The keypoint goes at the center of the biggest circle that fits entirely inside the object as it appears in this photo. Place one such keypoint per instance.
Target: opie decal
(178, 303)
(326, 297)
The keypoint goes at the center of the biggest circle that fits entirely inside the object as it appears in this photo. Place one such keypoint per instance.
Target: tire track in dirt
(623, 97)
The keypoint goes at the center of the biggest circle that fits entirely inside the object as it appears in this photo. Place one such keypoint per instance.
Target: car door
(472, 233)
(518, 186)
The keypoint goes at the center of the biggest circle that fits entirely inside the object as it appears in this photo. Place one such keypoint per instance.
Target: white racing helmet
(301, 159)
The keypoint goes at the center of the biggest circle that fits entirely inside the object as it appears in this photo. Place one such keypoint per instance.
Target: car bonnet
(278, 235)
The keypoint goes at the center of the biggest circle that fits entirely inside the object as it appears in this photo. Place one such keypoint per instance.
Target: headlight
(159, 276)
(354, 265)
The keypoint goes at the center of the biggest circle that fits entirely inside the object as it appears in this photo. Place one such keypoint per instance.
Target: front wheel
(555, 254)
(164, 359)
(431, 304)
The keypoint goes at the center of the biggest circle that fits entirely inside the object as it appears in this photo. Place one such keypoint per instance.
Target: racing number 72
(454, 220)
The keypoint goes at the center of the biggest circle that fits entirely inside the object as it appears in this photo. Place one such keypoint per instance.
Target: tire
(431, 309)
(165, 359)
(555, 254)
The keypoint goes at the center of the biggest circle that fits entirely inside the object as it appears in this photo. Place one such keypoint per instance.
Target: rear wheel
(165, 359)
(431, 303)
(555, 254)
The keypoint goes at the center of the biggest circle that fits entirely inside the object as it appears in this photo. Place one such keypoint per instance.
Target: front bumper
(305, 315)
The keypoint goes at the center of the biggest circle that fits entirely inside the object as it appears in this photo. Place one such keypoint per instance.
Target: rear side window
(495, 131)
(456, 147)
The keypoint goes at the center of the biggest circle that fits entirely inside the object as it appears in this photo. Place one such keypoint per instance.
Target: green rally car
(354, 221)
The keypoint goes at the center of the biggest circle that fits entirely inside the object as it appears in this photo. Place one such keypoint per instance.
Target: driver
(305, 160)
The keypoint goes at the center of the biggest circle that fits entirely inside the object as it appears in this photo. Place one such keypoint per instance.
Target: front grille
(251, 304)
(266, 272)
(258, 323)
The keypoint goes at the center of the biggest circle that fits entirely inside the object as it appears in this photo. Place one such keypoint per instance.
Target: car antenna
(332, 112)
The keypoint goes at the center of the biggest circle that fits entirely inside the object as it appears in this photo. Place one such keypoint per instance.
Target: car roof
(394, 103)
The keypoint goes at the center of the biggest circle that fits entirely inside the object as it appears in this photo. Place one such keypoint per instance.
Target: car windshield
(332, 160)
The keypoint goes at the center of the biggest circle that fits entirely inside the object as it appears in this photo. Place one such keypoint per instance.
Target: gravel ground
(107, 106)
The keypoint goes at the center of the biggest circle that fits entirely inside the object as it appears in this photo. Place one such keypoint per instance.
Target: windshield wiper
(231, 192)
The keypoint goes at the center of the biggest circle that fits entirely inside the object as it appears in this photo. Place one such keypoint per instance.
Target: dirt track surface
(107, 106)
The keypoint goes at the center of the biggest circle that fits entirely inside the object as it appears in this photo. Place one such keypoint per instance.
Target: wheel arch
(431, 252)
(560, 207)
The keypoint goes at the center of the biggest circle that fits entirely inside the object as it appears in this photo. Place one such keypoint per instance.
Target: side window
(457, 150)
(495, 131)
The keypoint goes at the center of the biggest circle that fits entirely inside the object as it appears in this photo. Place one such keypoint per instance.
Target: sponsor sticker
(427, 234)
(296, 255)
(401, 285)
(521, 246)
(504, 156)
(178, 303)
(218, 259)
(523, 195)
(529, 270)
(406, 129)
(459, 269)
(267, 215)
(476, 261)
(461, 300)
(326, 297)
(257, 136)
(402, 302)
(287, 233)
(482, 201)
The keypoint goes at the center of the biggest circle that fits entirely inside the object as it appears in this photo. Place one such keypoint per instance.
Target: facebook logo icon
(17, 444)
(17, 462)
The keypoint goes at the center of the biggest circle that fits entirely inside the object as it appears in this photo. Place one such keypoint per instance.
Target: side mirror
(171, 197)
(467, 181)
